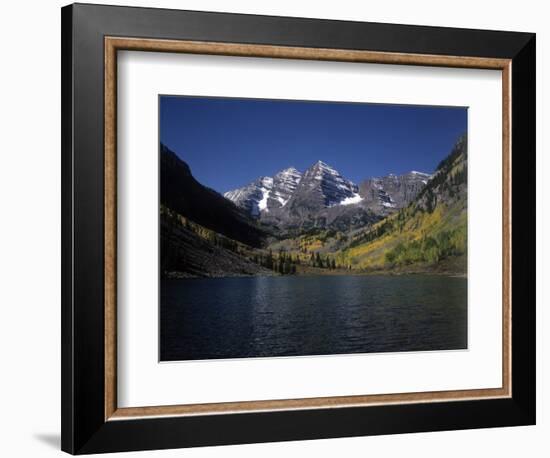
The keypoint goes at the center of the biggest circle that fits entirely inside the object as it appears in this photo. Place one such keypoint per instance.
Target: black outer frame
(84, 429)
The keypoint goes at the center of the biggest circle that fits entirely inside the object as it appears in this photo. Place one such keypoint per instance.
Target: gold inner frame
(114, 44)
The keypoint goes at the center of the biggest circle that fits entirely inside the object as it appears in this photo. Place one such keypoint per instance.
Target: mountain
(284, 184)
(322, 198)
(253, 197)
(430, 231)
(318, 187)
(392, 191)
(182, 193)
(322, 186)
(266, 193)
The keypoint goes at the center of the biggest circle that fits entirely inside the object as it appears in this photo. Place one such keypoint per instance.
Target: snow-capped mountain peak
(321, 168)
(266, 193)
(252, 197)
(322, 186)
(333, 187)
(289, 171)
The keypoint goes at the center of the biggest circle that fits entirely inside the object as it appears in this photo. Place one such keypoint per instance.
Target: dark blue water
(291, 316)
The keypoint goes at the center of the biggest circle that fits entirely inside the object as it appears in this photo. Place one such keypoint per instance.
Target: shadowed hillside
(181, 192)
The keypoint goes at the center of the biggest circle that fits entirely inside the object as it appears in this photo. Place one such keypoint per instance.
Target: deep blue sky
(229, 142)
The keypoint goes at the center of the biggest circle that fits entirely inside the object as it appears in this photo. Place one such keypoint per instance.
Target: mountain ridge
(311, 198)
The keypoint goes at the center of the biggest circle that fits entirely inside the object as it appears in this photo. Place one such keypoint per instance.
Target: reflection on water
(291, 316)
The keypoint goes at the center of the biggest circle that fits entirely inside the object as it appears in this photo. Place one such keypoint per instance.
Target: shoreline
(351, 273)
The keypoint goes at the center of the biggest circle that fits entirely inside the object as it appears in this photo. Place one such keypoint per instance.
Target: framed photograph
(280, 228)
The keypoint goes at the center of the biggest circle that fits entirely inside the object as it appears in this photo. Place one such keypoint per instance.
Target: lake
(208, 318)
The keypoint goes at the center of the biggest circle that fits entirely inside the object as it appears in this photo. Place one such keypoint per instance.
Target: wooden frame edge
(333, 402)
(507, 227)
(291, 52)
(111, 46)
(110, 201)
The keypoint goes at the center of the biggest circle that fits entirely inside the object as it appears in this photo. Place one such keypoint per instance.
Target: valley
(316, 222)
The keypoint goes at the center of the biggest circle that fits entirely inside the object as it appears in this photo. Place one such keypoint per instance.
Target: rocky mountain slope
(253, 197)
(385, 194)
(266, 193)
(322, 186)
(284, 184)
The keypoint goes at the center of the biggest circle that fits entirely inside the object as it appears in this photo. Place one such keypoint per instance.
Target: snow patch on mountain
(262, 204)
(415, 172)
(355, 199)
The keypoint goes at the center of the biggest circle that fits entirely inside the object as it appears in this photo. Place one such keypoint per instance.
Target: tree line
(286, 264)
